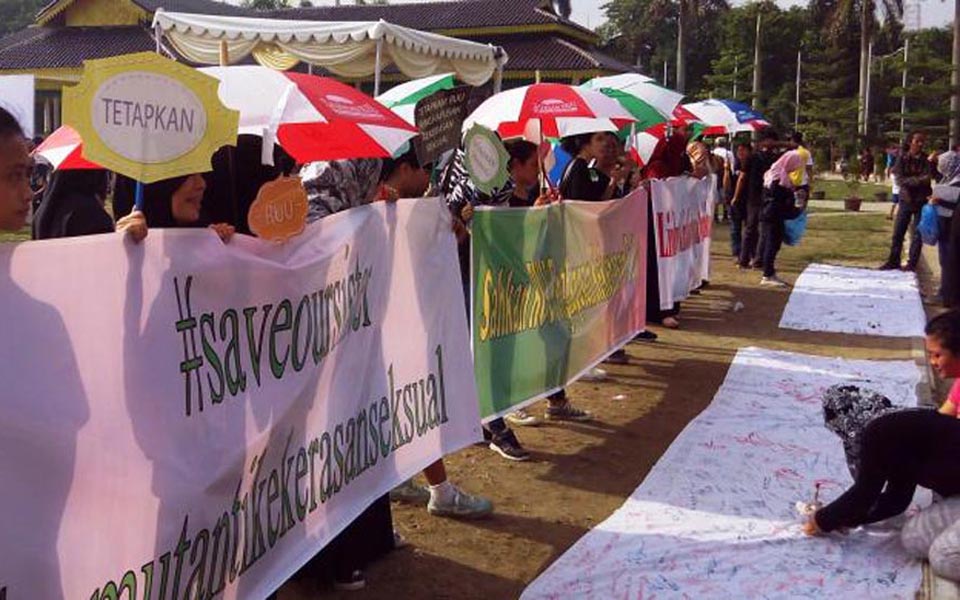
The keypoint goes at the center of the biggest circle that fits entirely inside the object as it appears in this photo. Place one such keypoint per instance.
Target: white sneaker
(594, 374)
(460, 505)
(521, 418)
(773, 281)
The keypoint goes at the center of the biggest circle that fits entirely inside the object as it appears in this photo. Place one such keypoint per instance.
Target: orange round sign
(280, 210)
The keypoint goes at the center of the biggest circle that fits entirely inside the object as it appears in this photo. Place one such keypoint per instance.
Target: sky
(589, 13)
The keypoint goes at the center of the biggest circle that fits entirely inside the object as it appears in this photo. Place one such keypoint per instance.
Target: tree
(17, 14)
(265, 4)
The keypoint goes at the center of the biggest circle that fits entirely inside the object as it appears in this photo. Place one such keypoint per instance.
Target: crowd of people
(755, 190)
(761, 186)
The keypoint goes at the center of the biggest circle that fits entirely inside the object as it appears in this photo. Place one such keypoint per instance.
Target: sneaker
(909, 268)
(619, 357)
(521, 418)
(646, 336)
(889, 266)
(566, 412)
(594, 374)
(773, 281)
(410, 493)
(351, 583)
(461, 506)
(508, 446)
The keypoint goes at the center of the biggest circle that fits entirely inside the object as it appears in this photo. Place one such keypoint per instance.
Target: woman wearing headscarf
(583, 179)
(945, 197)
(73, 204)
(173, 203)
(780, 196)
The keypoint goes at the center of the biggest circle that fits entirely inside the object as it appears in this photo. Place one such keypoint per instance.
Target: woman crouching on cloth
(904, 449)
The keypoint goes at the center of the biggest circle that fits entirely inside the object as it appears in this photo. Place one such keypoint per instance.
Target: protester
(913, 172)
(750, 192)
(73, 204)
(15, 171)
(582, 179)
(461, 195)
(945, 196)
(725, 181)
(779, 195)
(738, 199)
(904, 449)
(339, 185)
(866, 164)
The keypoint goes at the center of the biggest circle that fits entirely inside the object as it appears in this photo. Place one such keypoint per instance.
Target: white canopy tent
(347, 49)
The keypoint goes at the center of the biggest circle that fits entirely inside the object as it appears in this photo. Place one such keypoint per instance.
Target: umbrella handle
(138, 197)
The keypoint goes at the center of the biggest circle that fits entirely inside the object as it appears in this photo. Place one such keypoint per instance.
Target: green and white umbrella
(403, 98)
(649, 103)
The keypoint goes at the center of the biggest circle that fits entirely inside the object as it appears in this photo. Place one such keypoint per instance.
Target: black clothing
(72, 206)
(580, 182)
(900, 451)
(908, 217)
(914, 174)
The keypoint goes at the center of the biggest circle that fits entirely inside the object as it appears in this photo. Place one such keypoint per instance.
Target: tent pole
(224, 54)
(498, 74)
(377, 67)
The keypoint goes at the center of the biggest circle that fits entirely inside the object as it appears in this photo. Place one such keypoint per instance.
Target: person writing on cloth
(901, 450)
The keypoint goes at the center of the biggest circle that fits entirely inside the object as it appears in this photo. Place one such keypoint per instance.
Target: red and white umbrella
(63, 150)
(561, 110)
(313, 118)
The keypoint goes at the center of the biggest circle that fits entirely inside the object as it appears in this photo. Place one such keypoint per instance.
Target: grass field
(839, 190)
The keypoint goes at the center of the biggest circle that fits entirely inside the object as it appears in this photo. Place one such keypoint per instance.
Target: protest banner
(682, 223)
(187, 418)
(555, 290)
(439, 117)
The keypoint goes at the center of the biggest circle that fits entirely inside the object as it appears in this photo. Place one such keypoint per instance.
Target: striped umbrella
(558, 110)
(403, 98)
(726, 116)
(313, 118)
(63, 150)
(651, 101)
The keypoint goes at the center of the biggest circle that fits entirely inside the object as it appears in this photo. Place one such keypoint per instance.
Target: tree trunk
(681, 49)
(757, 65)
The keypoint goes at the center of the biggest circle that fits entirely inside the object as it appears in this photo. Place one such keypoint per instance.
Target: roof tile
(61, 47)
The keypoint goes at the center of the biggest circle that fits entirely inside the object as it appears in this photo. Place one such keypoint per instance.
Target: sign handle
(138, 197)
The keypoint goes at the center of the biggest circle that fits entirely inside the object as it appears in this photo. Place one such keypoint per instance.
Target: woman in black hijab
(72, 205)
(174, 203)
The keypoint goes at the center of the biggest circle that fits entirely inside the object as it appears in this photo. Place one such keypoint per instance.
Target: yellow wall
(103, 12)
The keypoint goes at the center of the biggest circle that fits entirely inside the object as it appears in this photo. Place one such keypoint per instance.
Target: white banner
(17, 97)
(682, 223)
(185, 418)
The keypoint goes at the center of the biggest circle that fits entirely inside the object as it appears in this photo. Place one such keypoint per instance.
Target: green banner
(554, 291)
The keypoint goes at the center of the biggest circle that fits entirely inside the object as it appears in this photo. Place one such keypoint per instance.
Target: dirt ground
(580, 473)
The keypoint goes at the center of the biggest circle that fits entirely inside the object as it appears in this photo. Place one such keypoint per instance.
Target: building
(541, 44)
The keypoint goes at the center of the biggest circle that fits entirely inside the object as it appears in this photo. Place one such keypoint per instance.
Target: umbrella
(63, 150)
(726, 116)
(558, 110)
(646, 94)
(403, 98)
(313, 118)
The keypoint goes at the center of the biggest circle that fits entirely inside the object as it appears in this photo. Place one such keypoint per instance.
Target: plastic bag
(928, 227)
(793, 229)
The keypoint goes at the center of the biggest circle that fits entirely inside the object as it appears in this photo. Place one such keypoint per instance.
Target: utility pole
(665, 74)
(736, 74)
(681, 49)
(756, 65)
(903, 84)
(796, 114)
(864, 43)
(866, 96)
(955, 78)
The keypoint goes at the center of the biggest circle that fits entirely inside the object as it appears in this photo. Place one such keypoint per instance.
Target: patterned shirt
(334, 186)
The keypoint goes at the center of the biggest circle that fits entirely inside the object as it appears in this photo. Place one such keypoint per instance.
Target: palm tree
(840, 13)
